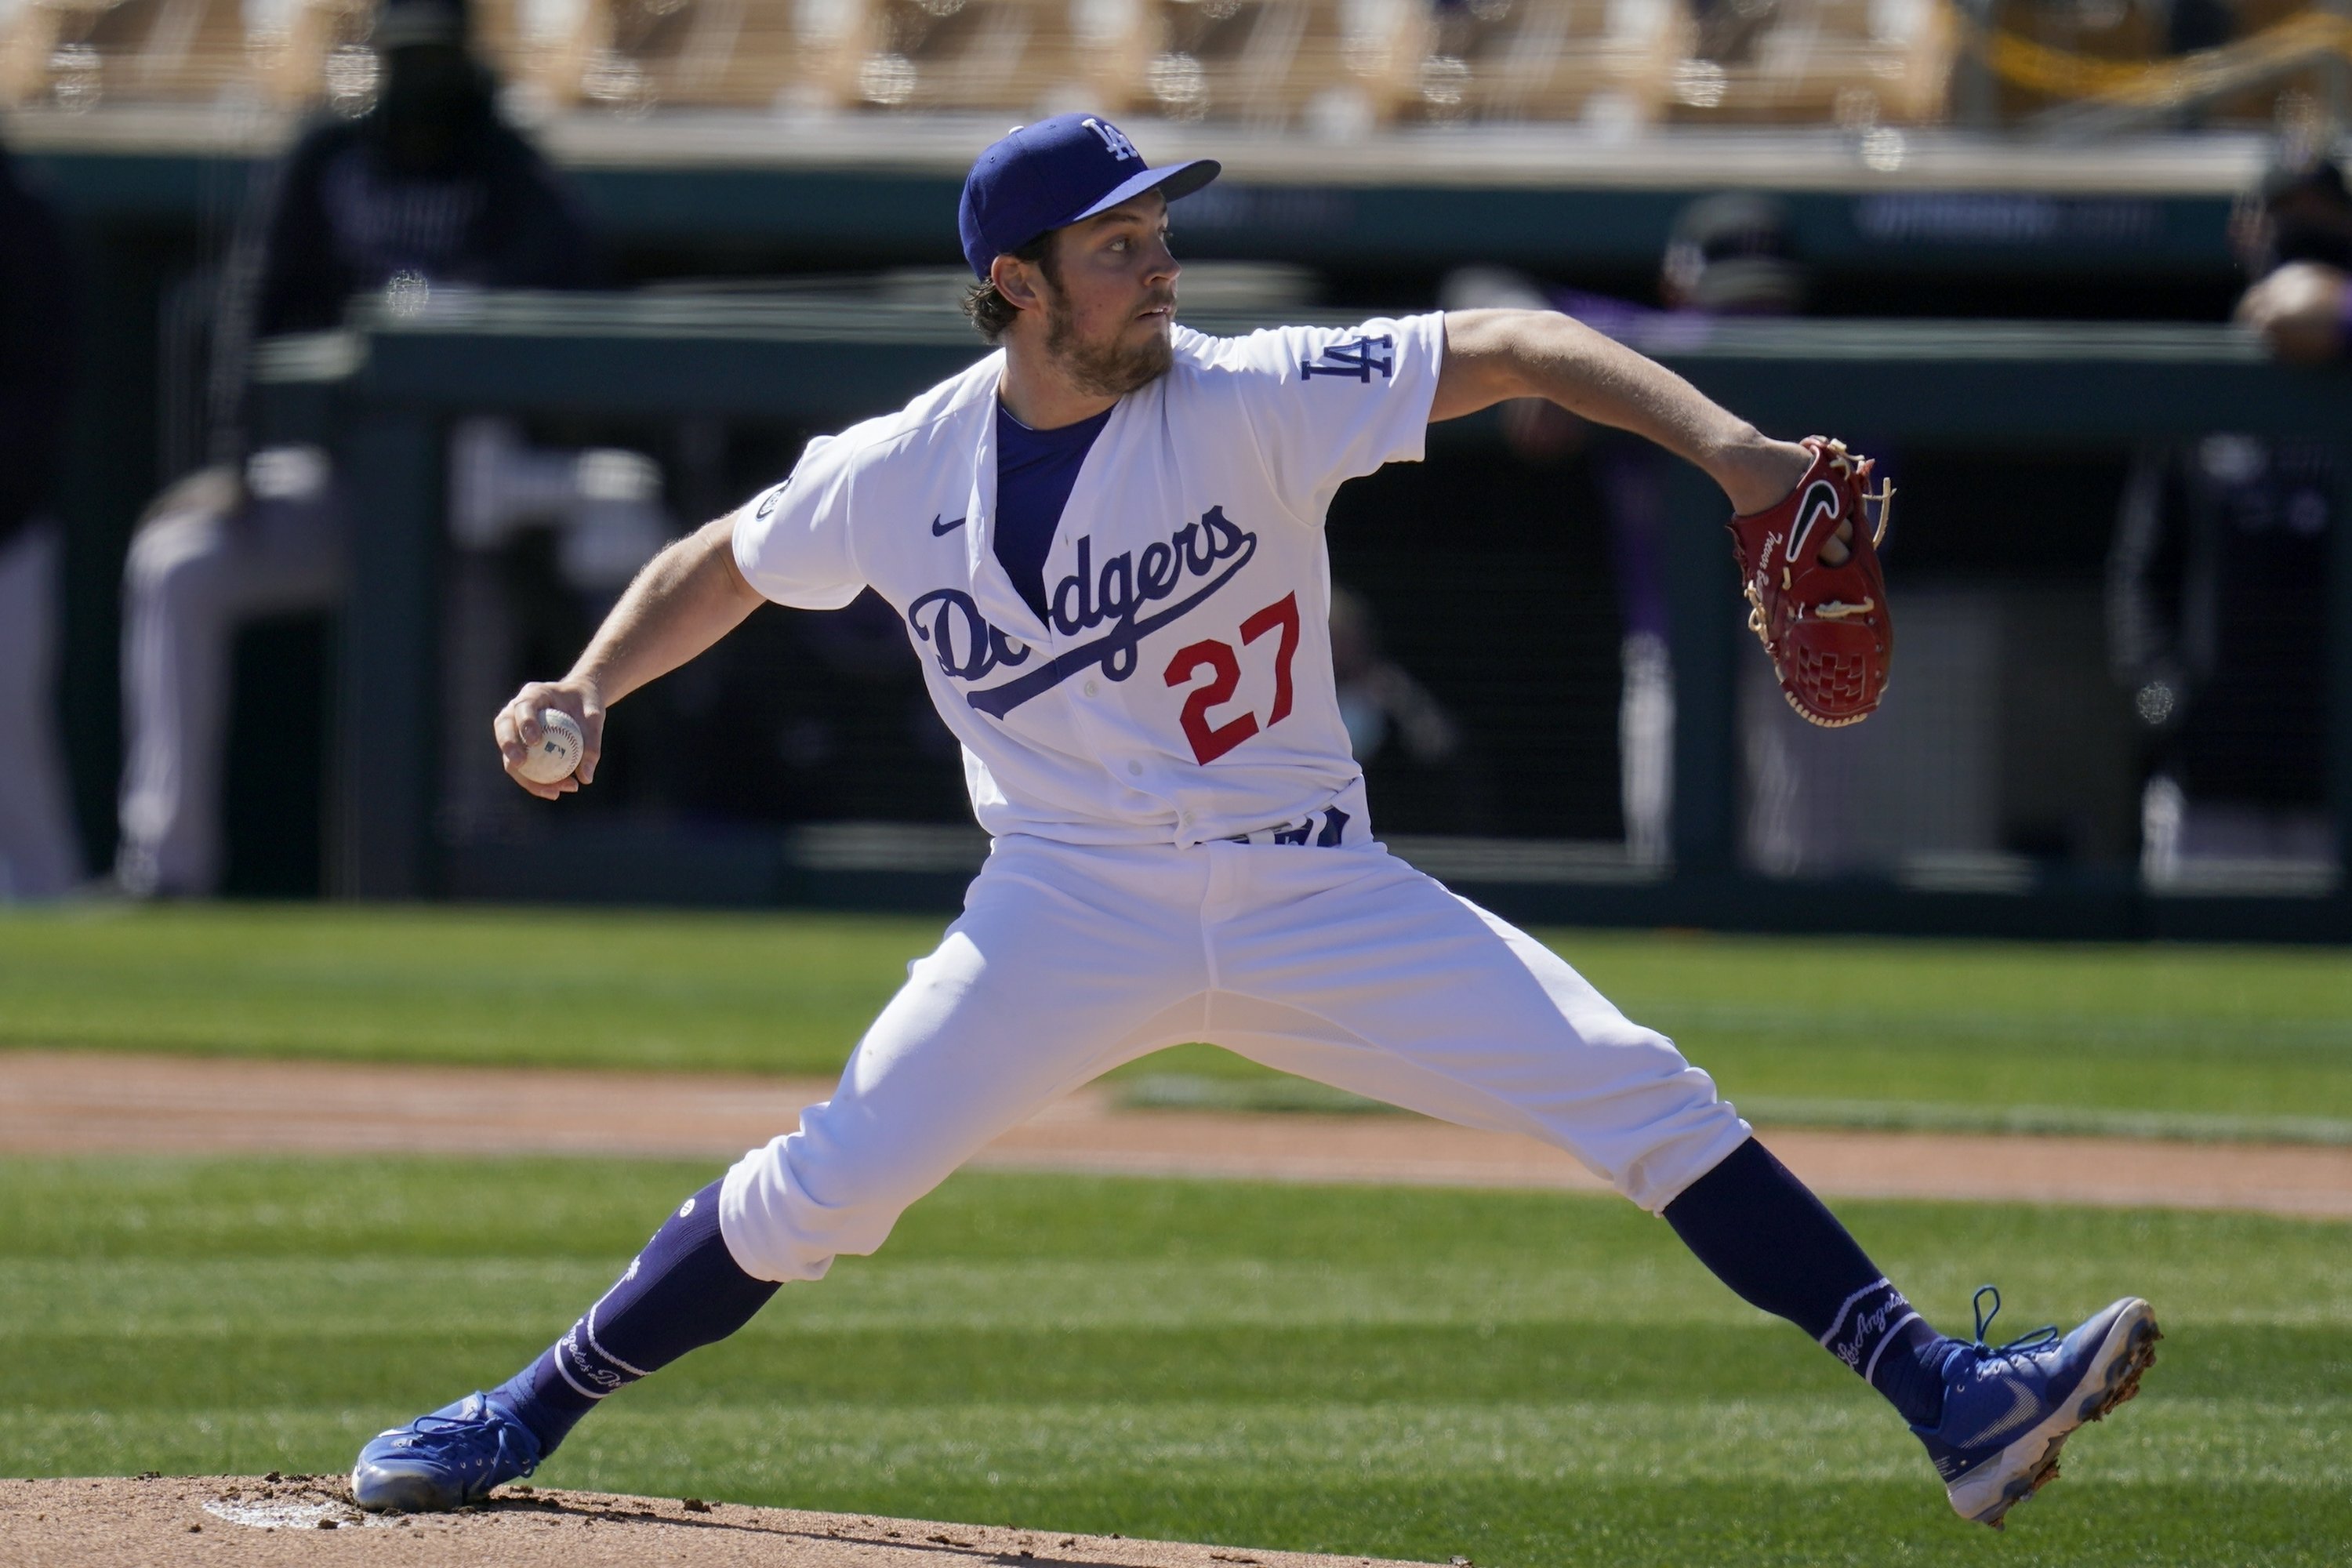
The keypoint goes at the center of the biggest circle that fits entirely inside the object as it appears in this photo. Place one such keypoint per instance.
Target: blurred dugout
(1337, 67)
(426, 190)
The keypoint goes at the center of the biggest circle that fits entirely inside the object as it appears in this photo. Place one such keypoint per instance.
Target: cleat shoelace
(2046, 1334)
(453, 1441)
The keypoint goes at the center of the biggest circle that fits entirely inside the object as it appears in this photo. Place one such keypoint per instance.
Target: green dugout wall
(384, 391)
(153, 193)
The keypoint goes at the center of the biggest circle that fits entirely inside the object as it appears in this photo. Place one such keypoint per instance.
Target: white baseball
(558, 752)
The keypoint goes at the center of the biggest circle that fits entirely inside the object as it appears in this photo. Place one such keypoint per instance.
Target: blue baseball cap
(1055, 173)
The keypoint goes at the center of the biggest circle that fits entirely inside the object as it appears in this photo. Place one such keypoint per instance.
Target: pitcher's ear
(1018, 282)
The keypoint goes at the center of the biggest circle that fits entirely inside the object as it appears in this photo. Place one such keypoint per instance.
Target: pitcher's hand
(516, 729)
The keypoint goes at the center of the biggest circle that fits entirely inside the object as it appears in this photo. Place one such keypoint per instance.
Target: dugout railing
(381, 394)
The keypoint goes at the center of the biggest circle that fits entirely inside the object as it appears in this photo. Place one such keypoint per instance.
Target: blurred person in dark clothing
(39, 856)
(2296, 240)
(2217, 583)
(1733, 255)
(1727, 255)
(1401, 734)
(1379, 699)
(428, 189)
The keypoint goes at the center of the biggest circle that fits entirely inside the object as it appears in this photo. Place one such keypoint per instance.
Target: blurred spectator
(1378, 700)
(1410, 749)
(1727, 255)
(2297, 242)
(2217, 584)
(39, 856)
(428, 188)
(1732, 254)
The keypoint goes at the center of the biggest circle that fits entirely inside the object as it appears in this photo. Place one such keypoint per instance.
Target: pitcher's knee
(787, 1210)
(1693, 1133)
(1638, 1114)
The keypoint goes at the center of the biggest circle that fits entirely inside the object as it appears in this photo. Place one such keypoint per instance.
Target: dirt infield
(65, 1103)
(310, 1519)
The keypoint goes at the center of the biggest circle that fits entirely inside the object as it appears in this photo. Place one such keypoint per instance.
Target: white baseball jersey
(1181, 691)
(1178, 695)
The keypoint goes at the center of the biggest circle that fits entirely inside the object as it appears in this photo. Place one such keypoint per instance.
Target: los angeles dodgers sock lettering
(1767, 1236)
(683, 1291)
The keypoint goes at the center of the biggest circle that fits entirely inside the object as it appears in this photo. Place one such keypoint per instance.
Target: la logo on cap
(1054, 174)
(1112, 137)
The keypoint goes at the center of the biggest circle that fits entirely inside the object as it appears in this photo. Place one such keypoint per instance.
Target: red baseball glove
(1826, 627)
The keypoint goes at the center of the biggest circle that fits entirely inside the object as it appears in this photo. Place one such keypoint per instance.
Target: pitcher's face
(1111, 299)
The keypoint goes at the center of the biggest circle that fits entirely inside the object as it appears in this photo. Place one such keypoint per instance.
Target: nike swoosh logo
(941, 529)
(1820, 501)
(2022, 1411)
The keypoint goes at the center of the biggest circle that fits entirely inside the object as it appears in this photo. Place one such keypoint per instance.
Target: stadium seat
(1338, 66)
(637, 55)
(1020, 56)
(1334, 68)
(634, 55)
(1605, 61)
(1854, 62)
(79, 54)
(2126, 30)
(306, 51)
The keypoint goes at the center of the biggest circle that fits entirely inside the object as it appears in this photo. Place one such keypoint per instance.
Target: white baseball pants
(194, 577)
(1343, 964)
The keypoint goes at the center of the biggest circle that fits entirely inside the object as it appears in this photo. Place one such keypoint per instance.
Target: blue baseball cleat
(2008, 1410)
(444, 1461)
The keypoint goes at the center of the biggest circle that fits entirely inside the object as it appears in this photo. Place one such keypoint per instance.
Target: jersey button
(1135, 768)
(1092, 689)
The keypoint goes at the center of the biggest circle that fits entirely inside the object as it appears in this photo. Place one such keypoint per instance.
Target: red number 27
(1210, 741)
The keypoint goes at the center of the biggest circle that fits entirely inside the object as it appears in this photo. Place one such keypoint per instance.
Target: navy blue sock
(684, 1290)
(1777, 1246)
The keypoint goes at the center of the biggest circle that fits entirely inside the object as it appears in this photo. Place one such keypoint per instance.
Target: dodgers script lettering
(967, 648)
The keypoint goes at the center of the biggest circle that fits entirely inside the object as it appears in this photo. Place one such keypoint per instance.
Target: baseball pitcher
(1105, 540)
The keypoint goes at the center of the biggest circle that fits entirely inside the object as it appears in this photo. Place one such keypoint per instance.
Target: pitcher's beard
(1105, 370)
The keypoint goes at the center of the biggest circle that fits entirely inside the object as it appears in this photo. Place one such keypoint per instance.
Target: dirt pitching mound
(160, 1520)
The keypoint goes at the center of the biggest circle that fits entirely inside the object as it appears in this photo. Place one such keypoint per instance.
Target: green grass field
(2201, 1041)
(1522, 1379)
